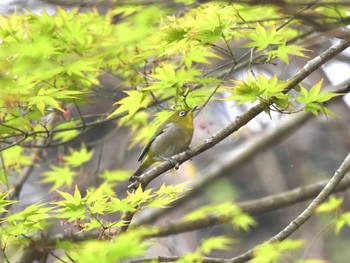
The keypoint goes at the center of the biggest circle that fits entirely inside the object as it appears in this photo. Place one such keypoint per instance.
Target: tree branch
(173, 259)
(253, 207)
(243, 119)
(240, 121)
(286, 232)
(306, 214)
(237, 158)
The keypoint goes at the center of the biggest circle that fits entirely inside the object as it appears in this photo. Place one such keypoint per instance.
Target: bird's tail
(147, 162)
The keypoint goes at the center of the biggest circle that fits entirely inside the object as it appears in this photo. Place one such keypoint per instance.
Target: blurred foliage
(50, 62)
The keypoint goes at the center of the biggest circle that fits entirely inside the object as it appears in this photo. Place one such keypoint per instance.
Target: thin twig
(306, 214)
(252, 207)
(81, 117)
(240, 156)
(243, 119)
(240, 121)
(282, 235)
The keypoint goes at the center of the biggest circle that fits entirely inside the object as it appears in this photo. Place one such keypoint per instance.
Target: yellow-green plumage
(171, 137)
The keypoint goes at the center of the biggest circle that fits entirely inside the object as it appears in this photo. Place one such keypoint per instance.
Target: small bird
(171, 137)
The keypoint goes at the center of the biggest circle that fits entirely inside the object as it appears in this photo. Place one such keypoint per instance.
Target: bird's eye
(182, 113)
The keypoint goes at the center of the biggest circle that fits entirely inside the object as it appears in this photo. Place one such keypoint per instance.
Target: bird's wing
(161, 129)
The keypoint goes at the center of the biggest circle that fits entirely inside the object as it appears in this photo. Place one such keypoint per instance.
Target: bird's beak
(194, 108)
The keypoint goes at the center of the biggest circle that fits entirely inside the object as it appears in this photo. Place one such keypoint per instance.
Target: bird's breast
(173, 140)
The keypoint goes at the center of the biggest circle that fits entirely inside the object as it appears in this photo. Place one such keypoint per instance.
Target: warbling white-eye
(171, 137)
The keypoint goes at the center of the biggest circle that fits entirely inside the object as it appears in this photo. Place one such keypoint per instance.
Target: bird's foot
(165, 159)
(133, 178)
(171, 160)
(135, 182)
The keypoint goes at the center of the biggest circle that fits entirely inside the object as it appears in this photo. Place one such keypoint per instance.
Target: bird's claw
(173, 162)
(136, 181)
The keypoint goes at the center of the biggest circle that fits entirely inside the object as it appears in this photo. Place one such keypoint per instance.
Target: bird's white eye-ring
(182, 113)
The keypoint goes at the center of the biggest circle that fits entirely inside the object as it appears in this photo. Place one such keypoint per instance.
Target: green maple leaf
(284, 51)
(77, 158)
(313, 99)
(262, 38)
(59, 176)
(130, 104)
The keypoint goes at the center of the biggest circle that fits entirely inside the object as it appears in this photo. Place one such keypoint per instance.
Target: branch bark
(265, 140)
(291, 228)
(253, 207)
(243, 119)
(240, 121)
(306, 214)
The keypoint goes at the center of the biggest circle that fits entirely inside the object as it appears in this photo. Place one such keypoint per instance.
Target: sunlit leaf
(59, 176)
(274, 252)
(262, 37)
(78, 157)
(134, 101)
(332, 204)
